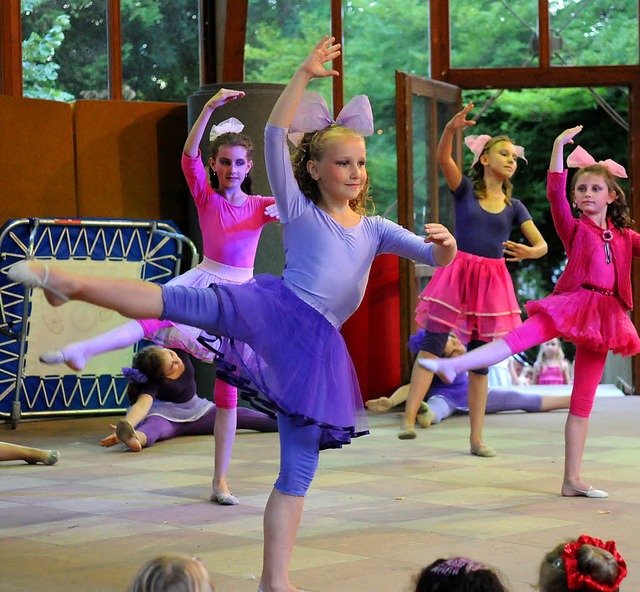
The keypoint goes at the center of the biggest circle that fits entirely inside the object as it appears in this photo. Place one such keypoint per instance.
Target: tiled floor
(379, 510)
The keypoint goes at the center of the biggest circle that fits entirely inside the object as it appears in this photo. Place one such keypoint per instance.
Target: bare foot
(379, 405)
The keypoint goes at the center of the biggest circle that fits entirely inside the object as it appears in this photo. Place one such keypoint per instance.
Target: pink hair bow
(477, 143)
(313, 115)
(224, 127)
(580, 158)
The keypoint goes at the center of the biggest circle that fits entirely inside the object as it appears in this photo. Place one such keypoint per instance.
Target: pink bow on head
(580, 158)
(477, 143)
(313, 115)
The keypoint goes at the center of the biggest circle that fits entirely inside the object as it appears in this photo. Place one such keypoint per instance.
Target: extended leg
(28, 454)
(477, 397)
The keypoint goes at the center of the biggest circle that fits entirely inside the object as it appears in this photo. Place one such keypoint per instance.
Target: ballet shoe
(433, 365)
(590, 492)
(53, 458)
(22, 273)
(423, 417)
(127, 435)
(483, 450)
(55, 356)
(407, 433)
(223, 498)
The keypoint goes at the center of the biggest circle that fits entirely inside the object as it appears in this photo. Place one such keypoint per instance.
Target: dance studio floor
(379, 510)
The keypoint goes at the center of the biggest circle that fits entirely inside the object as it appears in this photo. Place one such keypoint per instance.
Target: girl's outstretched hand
(516, 251)
(459, 120)
(223, 96)
(439, 235)
(111, 439)
(325, 51)
(566, 137)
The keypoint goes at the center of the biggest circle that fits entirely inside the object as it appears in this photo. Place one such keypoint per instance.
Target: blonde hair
(312, 147)
(541, 355)
(476, 174)
(172, 573)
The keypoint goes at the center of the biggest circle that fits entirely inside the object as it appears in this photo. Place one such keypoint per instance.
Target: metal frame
(157, 244)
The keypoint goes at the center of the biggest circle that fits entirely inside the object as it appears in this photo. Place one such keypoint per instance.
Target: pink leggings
(224, 395)
(589, 364)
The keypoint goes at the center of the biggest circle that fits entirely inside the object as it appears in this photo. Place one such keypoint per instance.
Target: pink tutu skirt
(192, 339)
(590, 319)
(474, 296)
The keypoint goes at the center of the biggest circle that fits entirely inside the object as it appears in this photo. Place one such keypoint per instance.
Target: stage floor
(378, 511)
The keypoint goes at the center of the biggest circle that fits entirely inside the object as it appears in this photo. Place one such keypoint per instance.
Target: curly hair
(232, 139)
(594, 561)
(312, 147)
(476, 173)
(149, 361)
(617, 210)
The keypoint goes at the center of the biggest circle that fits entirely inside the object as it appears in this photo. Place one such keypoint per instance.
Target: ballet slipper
(589, 492)
(58, 356)
(50, 457)
(223, 498)
(482, 450)
(127, 435)
(439, 367)
(407, 433)
(22, 273)
(424, 417)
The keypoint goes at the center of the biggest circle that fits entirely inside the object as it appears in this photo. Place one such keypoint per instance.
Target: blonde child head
(172, 573)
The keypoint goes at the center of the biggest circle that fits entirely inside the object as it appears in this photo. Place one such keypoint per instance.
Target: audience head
(588, 564)
(172, 573)
(458, 575)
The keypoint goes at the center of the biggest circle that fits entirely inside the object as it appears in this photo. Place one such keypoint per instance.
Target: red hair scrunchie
(576, 580)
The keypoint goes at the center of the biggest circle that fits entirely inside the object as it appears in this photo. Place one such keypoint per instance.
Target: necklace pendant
(607, 252)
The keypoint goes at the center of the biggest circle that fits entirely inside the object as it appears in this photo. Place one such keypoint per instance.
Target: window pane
(370, 63)
(160, 57)
(493, 34)
(600, 32)
(280, 33)
(64, 49)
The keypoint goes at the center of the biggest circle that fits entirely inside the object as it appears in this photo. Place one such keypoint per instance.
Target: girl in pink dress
(475, 295)
(231, 219)
(551, 367)
(590, 302)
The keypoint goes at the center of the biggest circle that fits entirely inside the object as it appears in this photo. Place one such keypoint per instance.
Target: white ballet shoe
(223, 498)
(55, 356)
(22, 273)
(435, 365)
(590, 492)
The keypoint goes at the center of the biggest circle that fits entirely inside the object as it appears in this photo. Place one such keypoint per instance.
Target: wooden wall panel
(128, 160)
(36, 159)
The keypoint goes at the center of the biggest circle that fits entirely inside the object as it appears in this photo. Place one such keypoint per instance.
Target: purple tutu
(473, 296)
(296, 362)
(590, 319)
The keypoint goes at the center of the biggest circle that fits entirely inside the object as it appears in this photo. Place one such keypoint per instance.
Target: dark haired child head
(458, 574)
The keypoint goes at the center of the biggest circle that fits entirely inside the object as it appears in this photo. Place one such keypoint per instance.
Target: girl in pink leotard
(231, 219)
(592, 296)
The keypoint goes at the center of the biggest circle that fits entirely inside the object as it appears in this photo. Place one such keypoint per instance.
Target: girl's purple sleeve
(290, 200)
(400, 241)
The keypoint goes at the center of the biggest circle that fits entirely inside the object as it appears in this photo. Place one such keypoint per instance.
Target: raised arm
(556, 163)
(444, 154)
(223, 96)
(312, 67)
